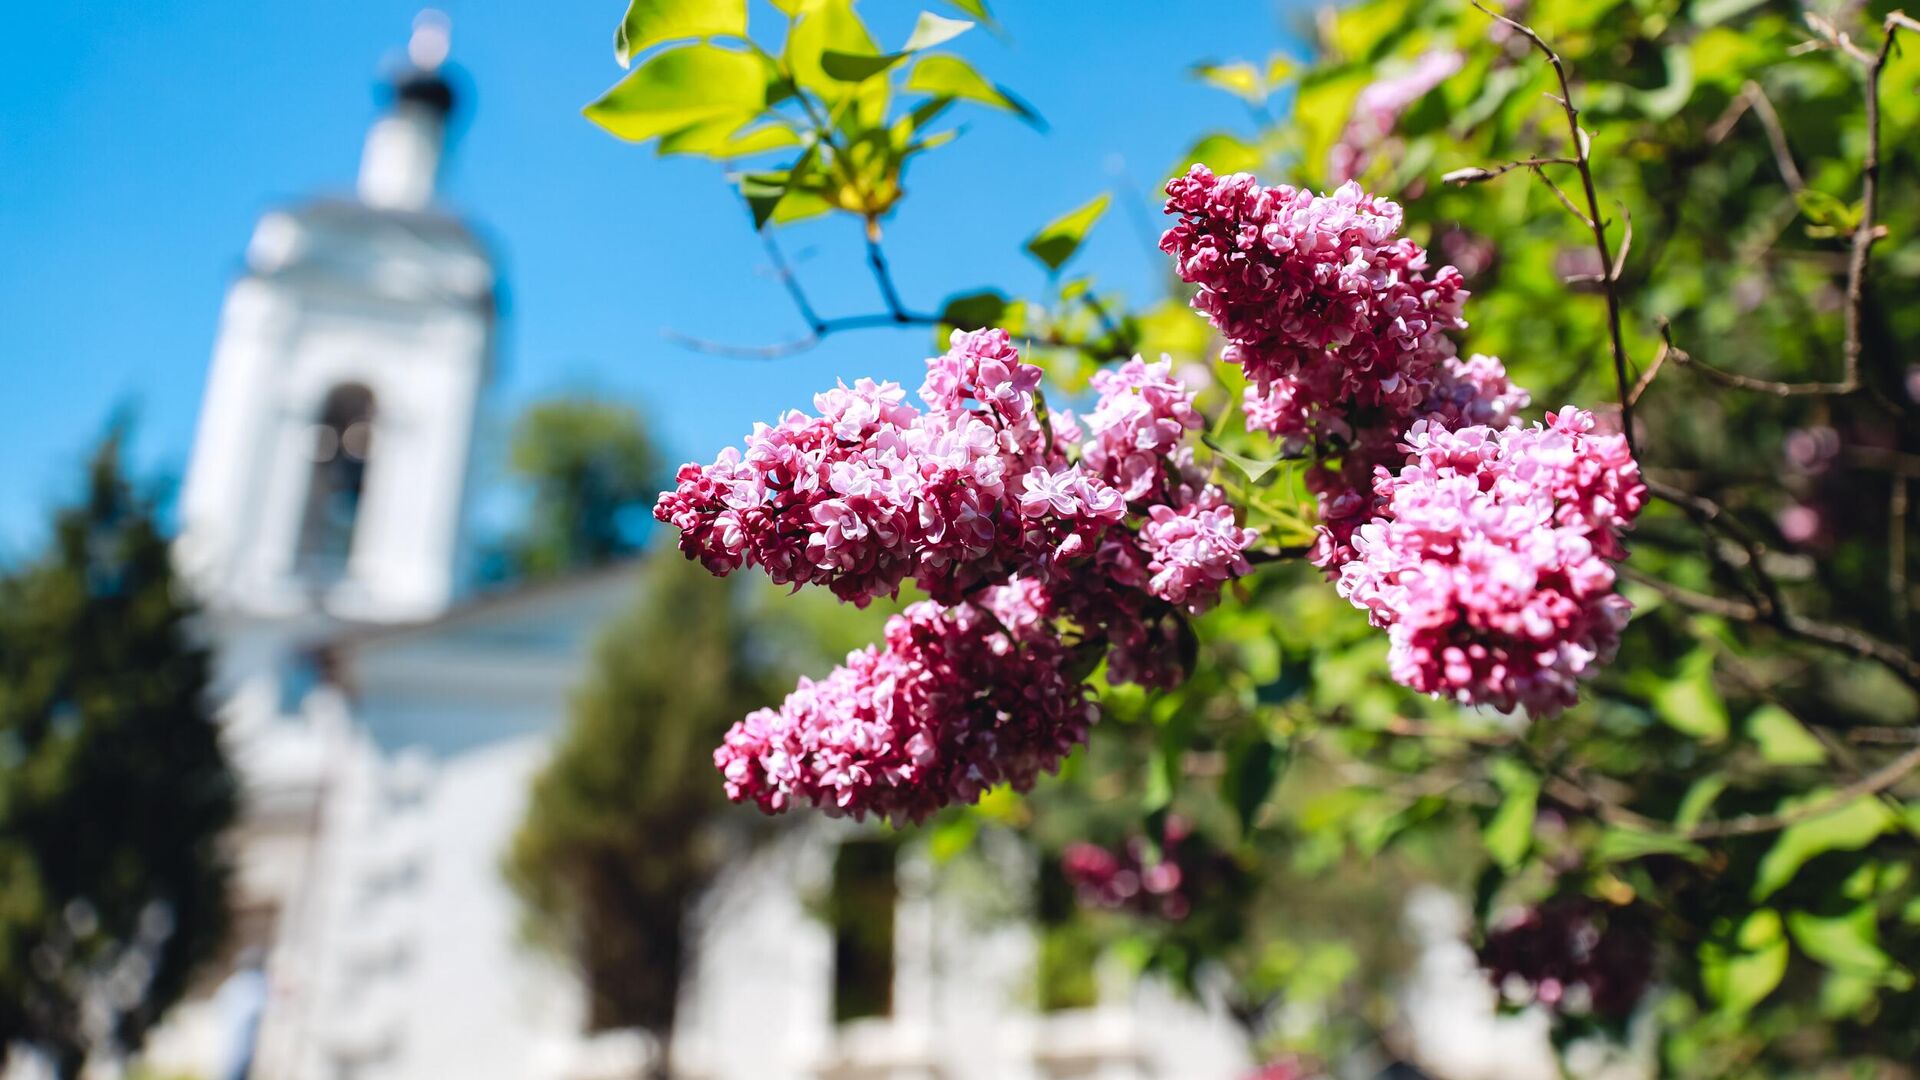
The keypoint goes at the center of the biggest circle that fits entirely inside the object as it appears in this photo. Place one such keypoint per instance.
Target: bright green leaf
(724, 139)
(1741, 976)
(650, 22)
(1849, 943)
(975, 8)
(942, 75)
(1252, 770)
(931, 30)
(1619, 844)
(823, 28)
(1058, 239)
(1509, 835)
(974, 310)
(1698, 800)
(763, 192)
(1223, 153)
(681, 87)
(1783, 740)
(1709, 12)
(1238, 78)
(1689, 703)
(1252, 468)
(1848, 828)
(1663, 103)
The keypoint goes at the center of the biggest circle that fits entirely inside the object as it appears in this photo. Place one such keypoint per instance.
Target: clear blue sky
(140, 139)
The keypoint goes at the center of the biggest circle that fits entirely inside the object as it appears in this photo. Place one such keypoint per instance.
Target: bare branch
(1776, 135)
(1473, 174)
(1747, 382)
(1871, 784)
(1582, 155)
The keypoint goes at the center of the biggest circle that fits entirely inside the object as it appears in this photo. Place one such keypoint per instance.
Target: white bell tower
(329, 469)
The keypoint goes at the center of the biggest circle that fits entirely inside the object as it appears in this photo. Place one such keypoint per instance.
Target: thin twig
(1747, 382)
(1897, 559)
(1653, 369)
(883, 277)
(1872, 784)
(785, 274)
(1864, 232)
(1583, 163)
(1474, 174)
(1776, 135)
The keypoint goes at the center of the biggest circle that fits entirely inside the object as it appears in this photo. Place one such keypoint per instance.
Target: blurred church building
(387, 720)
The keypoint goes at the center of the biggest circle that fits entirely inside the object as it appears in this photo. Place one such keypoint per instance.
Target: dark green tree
(629, 822)
(114, 792)
(616, 843)
(593, 475)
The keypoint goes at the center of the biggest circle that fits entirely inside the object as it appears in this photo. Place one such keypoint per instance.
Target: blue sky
(140, 140)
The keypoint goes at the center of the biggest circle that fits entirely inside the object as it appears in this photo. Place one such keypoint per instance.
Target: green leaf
(724, 139)
(1848, 828)
(650, 22)
(1709, 12)
(681, 87)
(949, 76)
(823, 28)
(975, 8)
(1739, 975)
(1783, 740)
(1849, 942)
(1509, 834)
(1223, 153)
(763, 192)
(1252, 468)
(974, 310)
(952, 837)
(1621, 844)
(1239, 78)
(1252, 770)
(1689, 703)
(1668, 100)
(1058, 239)
(1698, 800)
(930, 31)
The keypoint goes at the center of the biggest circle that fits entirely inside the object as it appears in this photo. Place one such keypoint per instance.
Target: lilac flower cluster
(1018, 523)
(1135, 879)
(952, 705)
(872, 491)
(1488, 562)
(1332, 314)
(1572, 956)
(1487, 553)
(1377, 111)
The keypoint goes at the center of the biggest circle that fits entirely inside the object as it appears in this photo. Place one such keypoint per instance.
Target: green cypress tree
(114, 792)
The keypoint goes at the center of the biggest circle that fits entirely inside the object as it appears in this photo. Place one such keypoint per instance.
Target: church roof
(345, 245)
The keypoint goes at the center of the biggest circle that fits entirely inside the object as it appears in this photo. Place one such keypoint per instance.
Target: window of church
(865, 892)
(340, 444)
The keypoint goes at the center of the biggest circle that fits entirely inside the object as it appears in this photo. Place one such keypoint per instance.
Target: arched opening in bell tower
(340, 441)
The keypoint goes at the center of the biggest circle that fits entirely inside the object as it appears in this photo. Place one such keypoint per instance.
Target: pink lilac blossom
(1377, 111)
(1143, 414)
(1475, 391)
(1158, 884)
(1192, 552)
(949, 707)
(1333, 316)
(1489, 560)
(872, 491)
(1021, 524)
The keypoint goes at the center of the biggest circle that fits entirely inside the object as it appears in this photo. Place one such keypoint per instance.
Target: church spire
(401, 162)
